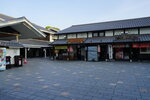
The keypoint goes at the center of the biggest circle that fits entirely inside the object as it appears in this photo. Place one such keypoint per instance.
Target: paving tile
(43, 79)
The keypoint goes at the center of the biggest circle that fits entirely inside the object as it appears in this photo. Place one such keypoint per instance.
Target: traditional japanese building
(114, 40)
(34, 38)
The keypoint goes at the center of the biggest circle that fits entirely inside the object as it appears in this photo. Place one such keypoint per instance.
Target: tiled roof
(121, 24)
(57, 42)
(10, 44)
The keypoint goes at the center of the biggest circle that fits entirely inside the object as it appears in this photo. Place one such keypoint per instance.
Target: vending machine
(2, 59)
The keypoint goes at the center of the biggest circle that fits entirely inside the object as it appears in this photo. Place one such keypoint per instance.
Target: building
(114, 40)
(34, 38)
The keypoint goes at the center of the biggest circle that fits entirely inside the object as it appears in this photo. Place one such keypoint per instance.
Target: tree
(50, 27)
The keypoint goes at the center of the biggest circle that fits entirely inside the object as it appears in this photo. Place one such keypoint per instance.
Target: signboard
(61, 47)
(126, 36)
(78, 40)
(141, 45)
(120, 46)
(2, 59)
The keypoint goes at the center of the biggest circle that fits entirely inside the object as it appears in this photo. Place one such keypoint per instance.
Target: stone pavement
(42, 79)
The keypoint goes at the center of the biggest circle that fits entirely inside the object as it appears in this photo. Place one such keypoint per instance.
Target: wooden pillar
(17, 38)
(131, 53)
(26, 53)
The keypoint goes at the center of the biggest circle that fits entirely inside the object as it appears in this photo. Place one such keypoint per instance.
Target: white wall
(12, 52)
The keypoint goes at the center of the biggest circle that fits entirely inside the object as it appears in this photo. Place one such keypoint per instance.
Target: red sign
(141, 45)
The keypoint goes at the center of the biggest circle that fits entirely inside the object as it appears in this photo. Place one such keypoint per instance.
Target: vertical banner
(110, 51)
(99, 49)
(2, 59)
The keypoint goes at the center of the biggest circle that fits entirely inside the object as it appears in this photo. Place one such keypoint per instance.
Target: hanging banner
(110, 51)
(70, 49)
(99, 48)
(2, 59)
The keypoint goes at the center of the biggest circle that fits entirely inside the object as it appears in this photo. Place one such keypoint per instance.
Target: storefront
(141, 51)
(60, 52)
(122, 52)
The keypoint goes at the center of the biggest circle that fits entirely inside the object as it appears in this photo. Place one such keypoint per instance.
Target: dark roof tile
(130, 23)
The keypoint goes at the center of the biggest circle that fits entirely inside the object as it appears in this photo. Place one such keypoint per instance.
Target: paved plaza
(42, 79)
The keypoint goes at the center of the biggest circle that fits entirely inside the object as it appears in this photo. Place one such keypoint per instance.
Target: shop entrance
(92, 53)
(103, 53)
(121, 52)
(76, 52)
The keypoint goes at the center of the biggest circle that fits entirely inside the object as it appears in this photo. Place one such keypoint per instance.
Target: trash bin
(18, 61)
(8, 62)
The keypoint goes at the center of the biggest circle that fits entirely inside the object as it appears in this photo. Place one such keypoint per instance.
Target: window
(95, 34)
(119, 32)
(145, 51)
(144, 30)
(109, 33)
(90, 34)
(55, 37)
(131, 31)
(82, 35)
(62, 36)
(70, 36)
(101, 34)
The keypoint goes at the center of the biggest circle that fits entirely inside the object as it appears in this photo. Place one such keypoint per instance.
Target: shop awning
(34, 43)
(10, 44)
(34, 46)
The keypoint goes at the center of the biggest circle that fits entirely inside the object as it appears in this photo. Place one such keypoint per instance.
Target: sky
(65, 13)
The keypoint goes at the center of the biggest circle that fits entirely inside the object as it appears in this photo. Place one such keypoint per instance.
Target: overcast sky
(65, 13)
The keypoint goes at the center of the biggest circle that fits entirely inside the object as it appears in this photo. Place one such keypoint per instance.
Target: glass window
(131, 31)
(82, 35)
(95, 34)
(119, 32)
(145, 51)
(109, 33)
(101, 34)
(70, 36)
(62, 36)
(144, 30)
(90, 34)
